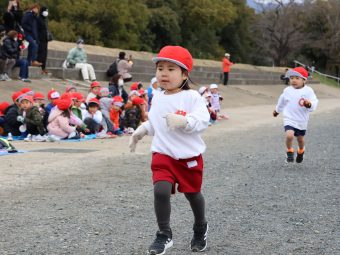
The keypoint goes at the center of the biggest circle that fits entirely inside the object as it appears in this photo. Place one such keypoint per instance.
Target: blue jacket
(30, 25)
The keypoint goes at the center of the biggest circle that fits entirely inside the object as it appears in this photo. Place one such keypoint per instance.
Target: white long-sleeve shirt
(180, 143)
(97, 117)
(290, 102)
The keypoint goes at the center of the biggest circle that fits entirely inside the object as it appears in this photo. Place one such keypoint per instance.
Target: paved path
(256, 204)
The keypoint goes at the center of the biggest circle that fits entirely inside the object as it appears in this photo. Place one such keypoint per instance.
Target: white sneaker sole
(167, 246)
(206, 242)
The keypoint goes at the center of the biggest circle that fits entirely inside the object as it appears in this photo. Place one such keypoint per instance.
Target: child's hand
(139, 133)
(307, 103)
(275, 113)
(174, 120)
(20, 119)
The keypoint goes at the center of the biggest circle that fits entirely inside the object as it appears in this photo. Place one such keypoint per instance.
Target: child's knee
(290, 135)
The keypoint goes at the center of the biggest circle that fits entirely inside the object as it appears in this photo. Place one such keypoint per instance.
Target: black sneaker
(290, 157)
(299, 157)
(199, 240)
(162, 242)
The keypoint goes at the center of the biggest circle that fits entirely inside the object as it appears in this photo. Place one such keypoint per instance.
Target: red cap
(298, 71)
(4, 106)
(16, 95)
(95, 84)
(177, 55)
(78, 96)
(66, 96)
(94, 100)
(26, 97)
(64, 104)
(38, 95)
(138, 100)
(52, 94)
(118, 100)
(134, 86)
(26, 90)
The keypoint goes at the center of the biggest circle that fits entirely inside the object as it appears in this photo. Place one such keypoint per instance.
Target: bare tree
(280, 30)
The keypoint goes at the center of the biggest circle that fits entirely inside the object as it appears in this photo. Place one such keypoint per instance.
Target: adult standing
(43, 38)
(30, 25)
(12, 18)
(77, 57)
(124, 66)
(226, 64)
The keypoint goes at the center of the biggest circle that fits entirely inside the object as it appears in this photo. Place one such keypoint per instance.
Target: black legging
(226, 78)
(162, 193)
(42, 54)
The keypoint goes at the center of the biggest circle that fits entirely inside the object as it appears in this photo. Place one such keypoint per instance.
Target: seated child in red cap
(32, 120)
(52, 95)
(59, 120)
(296, 103)
(176, 119)
(11, 124)
(115, 113)
(94, 91)
(4, 106)
(134, 115)
(93, 117)
(77, 109)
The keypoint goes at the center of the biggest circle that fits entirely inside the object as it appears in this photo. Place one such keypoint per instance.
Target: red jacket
(226, 64)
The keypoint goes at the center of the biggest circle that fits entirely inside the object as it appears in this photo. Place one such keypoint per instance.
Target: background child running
(296, 103)
(177, 117)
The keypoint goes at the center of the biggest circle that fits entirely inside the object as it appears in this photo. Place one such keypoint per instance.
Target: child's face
(132, 96)
(297, 82)
(213, 91)
(96, 90)
(25, 105)
(39, 101)
(77, 103)
(72, 90)
(93, 109)
(115, 107)
(169, 75)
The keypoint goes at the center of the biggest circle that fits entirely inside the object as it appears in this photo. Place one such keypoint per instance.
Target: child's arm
(98, 117)
(312, 102)
(280, 105)
(140, 132)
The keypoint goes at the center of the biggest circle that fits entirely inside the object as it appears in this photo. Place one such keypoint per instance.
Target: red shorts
(187, 173)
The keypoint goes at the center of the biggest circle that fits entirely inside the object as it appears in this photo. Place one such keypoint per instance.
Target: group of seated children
(213, 101)
(72, 116)
(105, 112)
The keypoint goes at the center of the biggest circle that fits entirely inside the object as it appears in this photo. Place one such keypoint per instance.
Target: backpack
(5, 145)
(132, 118)
(113, 69)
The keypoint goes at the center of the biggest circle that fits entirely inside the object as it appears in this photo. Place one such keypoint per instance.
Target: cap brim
(157, 59)
(119, 104)
(290, 73)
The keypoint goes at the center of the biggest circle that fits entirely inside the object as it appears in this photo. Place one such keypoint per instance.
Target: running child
(296, 103)
(176, 120)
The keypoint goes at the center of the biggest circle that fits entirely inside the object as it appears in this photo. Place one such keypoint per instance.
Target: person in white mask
(44, 38)
(77, 58)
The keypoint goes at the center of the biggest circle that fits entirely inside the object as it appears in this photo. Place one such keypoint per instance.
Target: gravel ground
(256, 204)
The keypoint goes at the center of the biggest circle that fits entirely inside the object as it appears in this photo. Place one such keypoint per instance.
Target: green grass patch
(326, 80)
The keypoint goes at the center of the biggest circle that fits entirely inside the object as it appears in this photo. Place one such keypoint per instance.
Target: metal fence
(314, 71)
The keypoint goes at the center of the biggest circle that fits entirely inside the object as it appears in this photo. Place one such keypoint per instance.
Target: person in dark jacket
(11, 50)
(43, 38)
(11, 117)
(12, 18)
(116, 87)
(30, 25)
